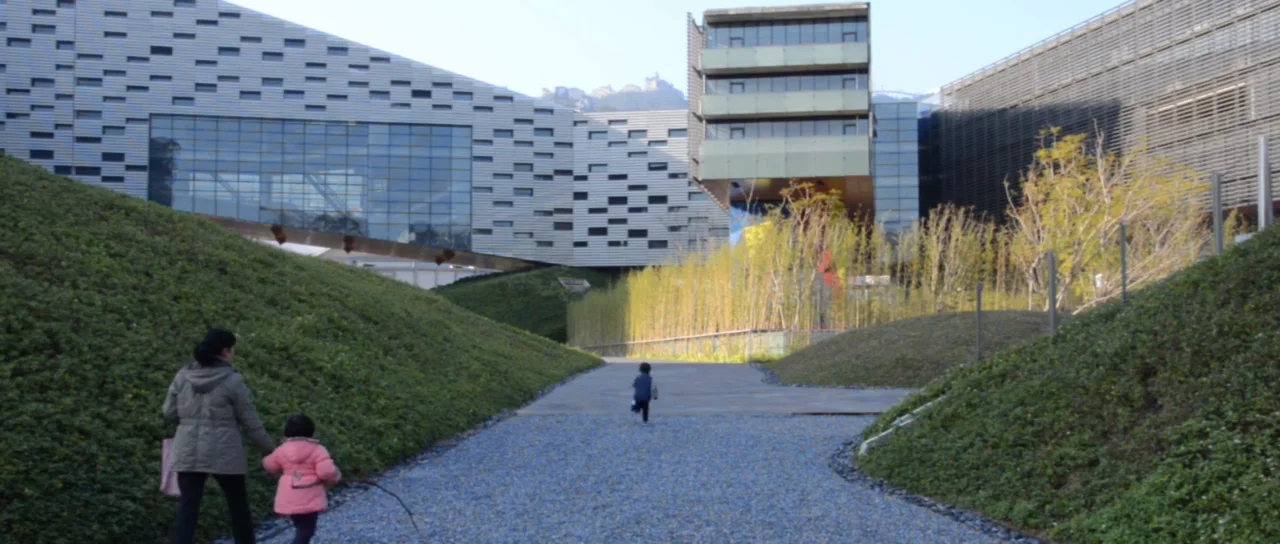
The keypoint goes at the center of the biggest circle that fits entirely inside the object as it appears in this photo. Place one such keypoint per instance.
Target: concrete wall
(424, 275)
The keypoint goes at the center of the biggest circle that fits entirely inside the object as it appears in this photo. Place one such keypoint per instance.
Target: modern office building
(1196, 82)
(211, 108)
(780, 94)
(896, 159)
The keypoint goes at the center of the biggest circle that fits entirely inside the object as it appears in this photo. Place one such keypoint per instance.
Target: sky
(528, 45)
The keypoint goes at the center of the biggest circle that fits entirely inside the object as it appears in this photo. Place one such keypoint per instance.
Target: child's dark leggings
(304, 527)
(643, 408)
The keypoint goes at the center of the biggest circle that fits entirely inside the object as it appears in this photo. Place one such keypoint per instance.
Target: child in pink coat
(306, 473)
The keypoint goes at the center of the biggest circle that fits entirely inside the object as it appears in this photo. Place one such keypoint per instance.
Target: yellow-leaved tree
(808, 265)
(1073, 200)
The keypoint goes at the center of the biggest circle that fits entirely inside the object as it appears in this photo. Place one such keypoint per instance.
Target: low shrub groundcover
(533, 300)
(104, 298)
(1156, 421)
(907, 353)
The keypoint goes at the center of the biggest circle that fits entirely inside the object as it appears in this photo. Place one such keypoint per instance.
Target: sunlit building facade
(782, 95)
(208, 107)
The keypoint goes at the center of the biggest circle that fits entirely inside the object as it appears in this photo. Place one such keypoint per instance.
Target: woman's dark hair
(299, 426)
(645, 368)
(209, 350)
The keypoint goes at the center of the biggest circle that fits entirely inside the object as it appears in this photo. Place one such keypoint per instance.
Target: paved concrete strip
(688, 389)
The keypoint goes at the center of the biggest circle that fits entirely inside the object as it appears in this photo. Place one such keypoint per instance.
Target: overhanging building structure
(779, 95)
(212, 108)
(1196, 82)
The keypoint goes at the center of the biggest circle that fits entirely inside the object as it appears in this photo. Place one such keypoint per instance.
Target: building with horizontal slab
(781, 95)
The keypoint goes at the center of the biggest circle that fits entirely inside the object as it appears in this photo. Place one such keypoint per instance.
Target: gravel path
(606, 478)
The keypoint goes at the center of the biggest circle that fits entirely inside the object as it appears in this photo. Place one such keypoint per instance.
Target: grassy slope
(104, 297)
(906, 353)
(1153, 422)
(534, 301)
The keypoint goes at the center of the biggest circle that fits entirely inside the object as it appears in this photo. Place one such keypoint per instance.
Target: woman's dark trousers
(191, 484)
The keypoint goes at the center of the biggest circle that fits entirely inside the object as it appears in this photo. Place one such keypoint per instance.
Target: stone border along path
(840, 465)
(574, 466)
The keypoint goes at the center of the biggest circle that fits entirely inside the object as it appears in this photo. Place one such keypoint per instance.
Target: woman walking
(210, 403)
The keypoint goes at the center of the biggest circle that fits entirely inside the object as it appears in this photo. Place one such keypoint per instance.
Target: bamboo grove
(806, 266)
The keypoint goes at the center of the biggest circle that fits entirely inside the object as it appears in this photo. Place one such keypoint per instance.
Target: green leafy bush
(533, 300)
(104, 297)
(907, 353)
(1156, 421)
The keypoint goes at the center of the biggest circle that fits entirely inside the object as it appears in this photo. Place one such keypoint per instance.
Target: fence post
(1124, 264)
(1265, 202)
(979, 356)
(1216, 181)
(1052, 264)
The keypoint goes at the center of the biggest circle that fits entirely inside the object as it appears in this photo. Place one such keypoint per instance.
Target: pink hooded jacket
(306, 472)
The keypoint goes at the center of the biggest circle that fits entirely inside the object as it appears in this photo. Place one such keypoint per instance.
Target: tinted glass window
(775, 33)
(385, 181)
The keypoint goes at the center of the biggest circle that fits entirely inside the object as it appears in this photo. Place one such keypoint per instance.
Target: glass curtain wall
(896, 167)
(399, 182)
(797, 32)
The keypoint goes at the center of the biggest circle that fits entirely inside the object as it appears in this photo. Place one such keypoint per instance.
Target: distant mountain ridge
(657, 94)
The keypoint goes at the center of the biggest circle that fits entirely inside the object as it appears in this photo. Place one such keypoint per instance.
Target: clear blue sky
(526, 45)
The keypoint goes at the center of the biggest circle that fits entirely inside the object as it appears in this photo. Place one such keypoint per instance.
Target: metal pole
(1053, 292)
(1124, 264)
(1265, 202)
(1216, 181)
(979, 357)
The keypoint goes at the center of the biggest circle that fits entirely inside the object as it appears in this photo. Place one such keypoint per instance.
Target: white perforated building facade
(209, 107)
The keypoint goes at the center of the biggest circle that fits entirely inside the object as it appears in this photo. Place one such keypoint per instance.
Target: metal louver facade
(1195, 81)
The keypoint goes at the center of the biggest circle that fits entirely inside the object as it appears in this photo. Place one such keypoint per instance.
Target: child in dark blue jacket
(645, 392)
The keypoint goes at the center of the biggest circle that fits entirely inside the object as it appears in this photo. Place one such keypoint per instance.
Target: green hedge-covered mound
(534, 300)
(1158, 421)
(907, 353)
(104, 297)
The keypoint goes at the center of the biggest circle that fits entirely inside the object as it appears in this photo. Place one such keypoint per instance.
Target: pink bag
(168, 478)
